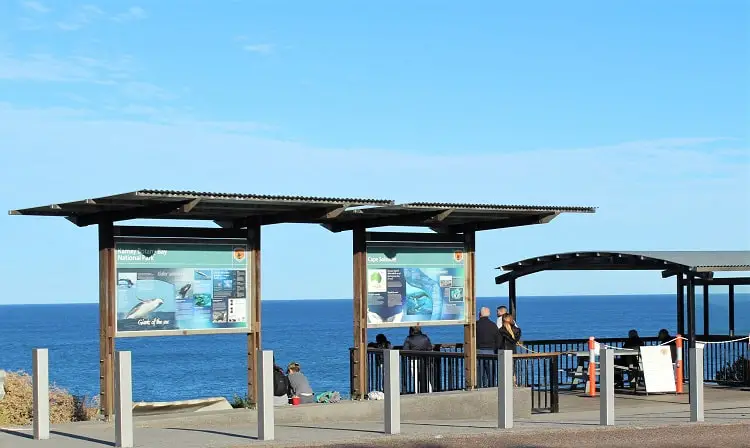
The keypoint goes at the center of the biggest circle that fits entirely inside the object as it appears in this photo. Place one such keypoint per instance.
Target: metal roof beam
(146, 211)
(322, 213)
(493, 224)
(408, 218)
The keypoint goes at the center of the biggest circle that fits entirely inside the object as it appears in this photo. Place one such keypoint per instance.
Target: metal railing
(543, 365)
(724, 363)
(442, 370)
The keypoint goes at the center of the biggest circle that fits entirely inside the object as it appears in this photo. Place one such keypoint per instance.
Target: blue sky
(638, 108)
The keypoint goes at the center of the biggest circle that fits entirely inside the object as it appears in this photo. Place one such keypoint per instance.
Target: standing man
(488, 340)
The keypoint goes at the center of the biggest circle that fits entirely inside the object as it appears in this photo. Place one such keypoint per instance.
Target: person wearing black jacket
(421, 369)
(417, 340)
(488, 341)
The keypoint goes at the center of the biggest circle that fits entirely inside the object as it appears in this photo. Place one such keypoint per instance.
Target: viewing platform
(645, 419)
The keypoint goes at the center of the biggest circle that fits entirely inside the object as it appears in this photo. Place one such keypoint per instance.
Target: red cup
(295, 401)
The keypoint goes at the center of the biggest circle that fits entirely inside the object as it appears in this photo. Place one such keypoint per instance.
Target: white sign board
(658, 372)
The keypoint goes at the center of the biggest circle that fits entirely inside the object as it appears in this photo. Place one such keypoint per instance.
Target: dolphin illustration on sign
(143, 308)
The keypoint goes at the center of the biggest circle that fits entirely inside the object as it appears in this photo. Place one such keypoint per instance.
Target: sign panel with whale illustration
(181, 288)
(409, 284)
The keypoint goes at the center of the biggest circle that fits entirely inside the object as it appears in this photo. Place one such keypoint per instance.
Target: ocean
(315, 333)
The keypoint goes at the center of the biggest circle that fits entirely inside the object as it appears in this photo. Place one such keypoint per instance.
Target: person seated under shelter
(629, 364)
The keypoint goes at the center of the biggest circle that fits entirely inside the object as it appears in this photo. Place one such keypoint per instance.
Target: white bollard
(40, 387)
(505, 389)
(392, 391)
(607, 386)
(696, 384)
(123, 400)
(264, 377)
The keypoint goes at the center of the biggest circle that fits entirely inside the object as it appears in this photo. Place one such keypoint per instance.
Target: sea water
(315, 333)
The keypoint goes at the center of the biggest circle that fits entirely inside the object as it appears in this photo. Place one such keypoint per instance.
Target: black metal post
(680, 305)
(691, 310)
(512, 298)
(706, 331)
(731, 310)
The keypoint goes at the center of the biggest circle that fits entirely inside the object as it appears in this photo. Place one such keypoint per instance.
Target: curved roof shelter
(692, 268)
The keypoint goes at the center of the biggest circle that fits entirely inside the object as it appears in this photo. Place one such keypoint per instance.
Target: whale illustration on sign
(183, 292)
(143, 308)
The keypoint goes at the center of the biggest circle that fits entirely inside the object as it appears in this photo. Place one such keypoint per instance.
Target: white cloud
(36, 6)
(133, 13)
(259, 48)
(83, 16)
(46, 67)
(652, 194)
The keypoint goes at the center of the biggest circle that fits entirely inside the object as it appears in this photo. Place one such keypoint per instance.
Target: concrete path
(655, 421)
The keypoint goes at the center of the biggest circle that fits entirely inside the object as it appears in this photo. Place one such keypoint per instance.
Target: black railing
(443, 371)
(724, 363)
(544, 366)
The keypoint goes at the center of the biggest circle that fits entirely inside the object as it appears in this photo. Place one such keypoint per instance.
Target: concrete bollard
(505, 389)
(123, 400)
(392, 391)
(40, 387)
(264, 377)
(696, 384)
(607, 386)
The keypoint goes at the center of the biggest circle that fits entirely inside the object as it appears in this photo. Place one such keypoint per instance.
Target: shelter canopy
(336, 214)
(671, 262)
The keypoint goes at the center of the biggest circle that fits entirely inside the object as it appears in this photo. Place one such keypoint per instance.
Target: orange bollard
(592, 367)
(678, 380)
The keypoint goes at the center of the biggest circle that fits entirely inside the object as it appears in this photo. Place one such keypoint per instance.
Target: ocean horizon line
(478, 297)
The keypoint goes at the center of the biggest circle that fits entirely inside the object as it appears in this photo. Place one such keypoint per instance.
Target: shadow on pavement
(332, 429)
(83, 438)
(17, 433)
(218, 433)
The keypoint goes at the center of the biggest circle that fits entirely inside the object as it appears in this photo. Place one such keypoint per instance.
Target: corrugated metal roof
(256, 197)
(501, 207)
(701, 261)
(337, 214)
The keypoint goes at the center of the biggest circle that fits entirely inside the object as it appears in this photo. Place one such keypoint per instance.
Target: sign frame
(454, 245)
(150, 241)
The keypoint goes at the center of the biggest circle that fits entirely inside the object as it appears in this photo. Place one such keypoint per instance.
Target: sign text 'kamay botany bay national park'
(181, 288)
(415, 283)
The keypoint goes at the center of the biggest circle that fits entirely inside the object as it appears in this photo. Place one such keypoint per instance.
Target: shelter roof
(668, 261)
(337, 214)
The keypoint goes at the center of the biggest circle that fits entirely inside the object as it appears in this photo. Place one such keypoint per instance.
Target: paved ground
(641, 421)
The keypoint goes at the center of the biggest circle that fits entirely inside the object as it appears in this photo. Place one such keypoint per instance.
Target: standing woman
(509, 335)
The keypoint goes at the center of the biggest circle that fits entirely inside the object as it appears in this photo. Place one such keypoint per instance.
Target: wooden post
(706, 331)
(254, 336)
(359, 374)
(470, 350)
(680, 304)
(107, 316)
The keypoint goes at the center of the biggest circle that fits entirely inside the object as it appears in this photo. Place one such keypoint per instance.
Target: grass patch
(16, 409)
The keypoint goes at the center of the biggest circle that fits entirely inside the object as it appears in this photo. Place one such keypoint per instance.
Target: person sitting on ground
(280, 385)
(417, 340)
(665, 339)
(298, 384)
